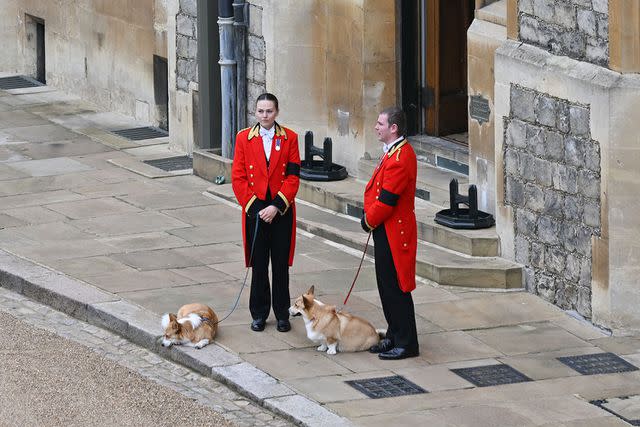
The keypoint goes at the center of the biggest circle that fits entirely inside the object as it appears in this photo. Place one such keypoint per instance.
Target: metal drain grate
(377, 388)
(18, 82)
(485, 376)
(136, 134)
(172, 163)
(627, 408)
(601, 363)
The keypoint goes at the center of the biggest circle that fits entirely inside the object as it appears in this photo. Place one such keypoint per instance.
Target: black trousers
(396, 304)
(272, 242)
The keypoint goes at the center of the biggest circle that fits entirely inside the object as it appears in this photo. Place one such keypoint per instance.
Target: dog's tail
(382, 333)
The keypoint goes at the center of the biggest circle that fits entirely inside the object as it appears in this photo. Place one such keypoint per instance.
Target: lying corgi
(335, 331)
(195, 325)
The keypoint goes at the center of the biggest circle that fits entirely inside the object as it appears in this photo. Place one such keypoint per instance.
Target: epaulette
(280, 131)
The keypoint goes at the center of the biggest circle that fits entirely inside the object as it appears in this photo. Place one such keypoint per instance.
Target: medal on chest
(278, 143)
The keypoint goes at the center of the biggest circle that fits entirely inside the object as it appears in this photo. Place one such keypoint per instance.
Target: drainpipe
(227, 77)
(241, 16)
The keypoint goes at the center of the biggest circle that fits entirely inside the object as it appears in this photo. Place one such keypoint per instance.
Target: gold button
(402, 232)
(378, 191)
(250, 166)
(378, 183)
(251, 183)
(282, 173)
(284, 164)
(399, 221)
(281, 181)
(376, 197)
(251, 175)
(405, 244)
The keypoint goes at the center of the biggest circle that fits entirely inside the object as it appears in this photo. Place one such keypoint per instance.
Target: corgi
(335, 331)
(195, 325)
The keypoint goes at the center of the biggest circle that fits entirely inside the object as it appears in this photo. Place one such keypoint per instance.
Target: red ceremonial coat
(389, 199)
(250, 176)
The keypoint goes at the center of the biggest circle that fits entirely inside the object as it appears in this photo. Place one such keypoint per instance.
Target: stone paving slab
(74, 147)
(45, 167)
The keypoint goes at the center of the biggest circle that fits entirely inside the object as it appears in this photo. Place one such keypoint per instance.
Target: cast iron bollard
(320, 170)
(456, 217)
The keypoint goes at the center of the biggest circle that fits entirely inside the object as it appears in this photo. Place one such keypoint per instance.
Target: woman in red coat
(265, 177)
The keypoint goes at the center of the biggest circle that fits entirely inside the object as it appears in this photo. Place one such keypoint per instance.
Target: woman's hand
(267, 214)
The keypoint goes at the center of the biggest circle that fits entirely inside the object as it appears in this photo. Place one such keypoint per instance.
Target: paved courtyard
(70, 201)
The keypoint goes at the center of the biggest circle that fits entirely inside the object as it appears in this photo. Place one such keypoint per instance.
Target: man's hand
(364, 225)
(267, 214)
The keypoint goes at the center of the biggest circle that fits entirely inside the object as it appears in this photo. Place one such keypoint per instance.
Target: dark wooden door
(40, 53)
(445, 97)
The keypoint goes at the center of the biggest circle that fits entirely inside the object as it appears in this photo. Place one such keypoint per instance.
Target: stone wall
(552, 182)
(186, 45)
(575, 28)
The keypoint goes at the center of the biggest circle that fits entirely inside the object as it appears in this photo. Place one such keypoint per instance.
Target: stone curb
(140, 326)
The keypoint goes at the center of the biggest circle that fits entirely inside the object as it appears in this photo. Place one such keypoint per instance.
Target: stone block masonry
(552, 182)
(186, 45)
(575, 28)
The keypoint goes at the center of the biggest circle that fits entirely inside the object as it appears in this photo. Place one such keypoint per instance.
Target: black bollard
(456, 217)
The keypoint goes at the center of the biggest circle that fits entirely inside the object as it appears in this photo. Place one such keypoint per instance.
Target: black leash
(244, 282)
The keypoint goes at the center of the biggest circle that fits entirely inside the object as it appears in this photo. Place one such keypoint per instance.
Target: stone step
(443, 266)
(450, 153)
(346, 197)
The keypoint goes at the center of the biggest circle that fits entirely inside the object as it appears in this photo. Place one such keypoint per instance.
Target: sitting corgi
(335, 331)
(195, 325)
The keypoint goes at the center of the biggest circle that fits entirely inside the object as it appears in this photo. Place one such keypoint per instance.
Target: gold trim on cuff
(367, 223)
(249, 203)
(286, 202)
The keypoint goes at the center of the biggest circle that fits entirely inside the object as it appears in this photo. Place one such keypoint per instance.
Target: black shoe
(283, 326)
(258, 325)
(385, 344)
(398, 353)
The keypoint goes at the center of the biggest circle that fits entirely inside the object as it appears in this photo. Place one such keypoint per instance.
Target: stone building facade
(566, 92)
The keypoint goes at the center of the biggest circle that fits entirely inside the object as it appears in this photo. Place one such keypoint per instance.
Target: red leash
(364, 252)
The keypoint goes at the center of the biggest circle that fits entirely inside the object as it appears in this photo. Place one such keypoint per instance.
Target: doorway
(161, 90)
(35, 48)
(434, 64)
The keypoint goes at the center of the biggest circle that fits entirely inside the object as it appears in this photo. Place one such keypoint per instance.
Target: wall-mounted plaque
(479, 108)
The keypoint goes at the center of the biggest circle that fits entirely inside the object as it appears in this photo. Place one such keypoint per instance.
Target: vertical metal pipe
(227, 77)
(241, 19)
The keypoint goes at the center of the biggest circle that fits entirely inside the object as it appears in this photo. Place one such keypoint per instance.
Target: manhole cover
(601, 363)
(485, 376)
(172, 163)
(626, 408)
(377, 388)
(18, 82)
(136, 134)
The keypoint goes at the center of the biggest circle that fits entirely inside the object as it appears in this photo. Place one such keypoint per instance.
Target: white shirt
(386, 147)
(267, 138)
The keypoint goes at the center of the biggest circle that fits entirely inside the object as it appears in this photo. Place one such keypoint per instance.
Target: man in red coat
(389, 200)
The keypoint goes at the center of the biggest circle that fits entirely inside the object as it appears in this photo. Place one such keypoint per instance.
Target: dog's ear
(311, 290)
(173, 317)
(308, 301)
